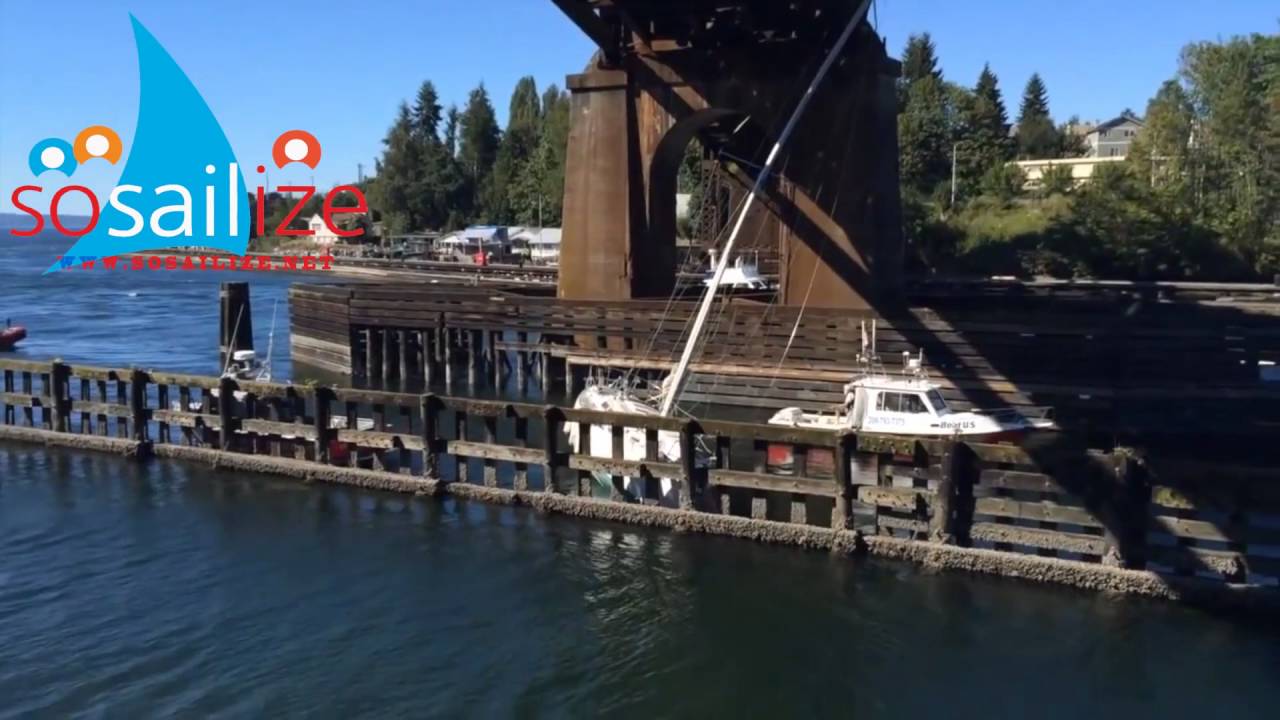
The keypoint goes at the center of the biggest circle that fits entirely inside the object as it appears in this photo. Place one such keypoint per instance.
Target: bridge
(729, 74)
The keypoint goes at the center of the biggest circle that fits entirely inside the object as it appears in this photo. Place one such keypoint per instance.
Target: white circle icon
(295, 149)
(52, 157)
(97, 145)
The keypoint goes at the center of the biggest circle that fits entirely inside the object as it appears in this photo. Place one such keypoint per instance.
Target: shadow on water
(171, 588)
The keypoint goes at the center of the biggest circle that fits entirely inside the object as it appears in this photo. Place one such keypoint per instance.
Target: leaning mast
(678, 378)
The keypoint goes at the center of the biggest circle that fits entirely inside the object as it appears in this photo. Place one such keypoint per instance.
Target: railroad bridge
(730, 74)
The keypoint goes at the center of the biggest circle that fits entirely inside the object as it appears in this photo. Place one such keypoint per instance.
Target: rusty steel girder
(728, 74)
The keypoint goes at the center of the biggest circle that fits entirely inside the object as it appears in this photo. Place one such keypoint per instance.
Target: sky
(340, 69)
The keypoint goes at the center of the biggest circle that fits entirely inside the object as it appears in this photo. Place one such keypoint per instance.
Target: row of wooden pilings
(449, 355)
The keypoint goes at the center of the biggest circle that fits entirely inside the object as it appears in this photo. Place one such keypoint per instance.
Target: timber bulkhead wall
(1054, 511)
(1128, 368)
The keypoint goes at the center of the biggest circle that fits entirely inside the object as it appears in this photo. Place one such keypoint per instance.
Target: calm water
(170, 590)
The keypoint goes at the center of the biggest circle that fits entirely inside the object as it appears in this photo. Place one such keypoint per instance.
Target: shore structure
(1058, 512)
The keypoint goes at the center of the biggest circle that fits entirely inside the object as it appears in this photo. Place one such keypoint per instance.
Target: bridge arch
(664, 171)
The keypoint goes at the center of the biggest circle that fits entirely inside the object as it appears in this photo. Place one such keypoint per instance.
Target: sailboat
(870, 399)
(244, 364)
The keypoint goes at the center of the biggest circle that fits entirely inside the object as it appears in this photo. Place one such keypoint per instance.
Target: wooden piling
(447, 343)
(322, 420)
(942, 520)
(59, 376)
(228, 423)
(430, 406)
(138, 404)
(390, 366)
(424, 346)
(371, 348)
(552, 426)
(406, 356)
(475, 342)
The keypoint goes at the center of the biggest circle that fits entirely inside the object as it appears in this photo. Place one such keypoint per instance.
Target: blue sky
(339, 69)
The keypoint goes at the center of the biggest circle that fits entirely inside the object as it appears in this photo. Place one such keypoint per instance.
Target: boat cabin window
(935, 400)
(901, 402)
(888, 401)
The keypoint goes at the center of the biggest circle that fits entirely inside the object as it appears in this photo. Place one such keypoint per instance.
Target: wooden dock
(1050, 510)
(1112, 366)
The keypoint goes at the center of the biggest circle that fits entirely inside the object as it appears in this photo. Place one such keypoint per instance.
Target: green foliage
(1057, 180)
(504, 200)
(919, 61)
(1162, 153)
(1071, 142)
(924, 135)
(984, 141)
(1198, 197)
(478, 141)
(1037, 136)
(1003, 182)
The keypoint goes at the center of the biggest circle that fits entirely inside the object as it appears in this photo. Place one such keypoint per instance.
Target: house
(1082, 169)
(320, 232)
(540, 246)
(466, 245)
(1113, 138)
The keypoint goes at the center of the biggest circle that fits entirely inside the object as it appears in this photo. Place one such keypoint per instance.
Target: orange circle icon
(97, 141)
(296, 146)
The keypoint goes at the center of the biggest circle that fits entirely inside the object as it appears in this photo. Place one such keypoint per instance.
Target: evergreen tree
(543, 187)
(431, 188)
(924, 135)
(1037, 136)
(478, 139)
(926, 124)
(452, 118)
(526, 107)
(515, 153)
(984, 140)
(398, 172)
(426, 114)
(920, 59)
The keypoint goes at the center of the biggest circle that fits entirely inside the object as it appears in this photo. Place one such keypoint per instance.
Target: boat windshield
(936, 402)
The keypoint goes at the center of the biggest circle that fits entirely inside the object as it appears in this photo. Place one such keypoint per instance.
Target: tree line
(1197, 197)
(445, 169)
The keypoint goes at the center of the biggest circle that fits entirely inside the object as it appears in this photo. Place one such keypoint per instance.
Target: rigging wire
(778, 119)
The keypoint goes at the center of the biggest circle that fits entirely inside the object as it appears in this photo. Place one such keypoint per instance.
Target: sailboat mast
(682, 368)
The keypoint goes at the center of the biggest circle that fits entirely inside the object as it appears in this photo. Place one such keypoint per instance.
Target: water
(171, 590)
(162, 320)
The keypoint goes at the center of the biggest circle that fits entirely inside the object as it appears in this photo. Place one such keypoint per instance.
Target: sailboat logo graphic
(181, 184)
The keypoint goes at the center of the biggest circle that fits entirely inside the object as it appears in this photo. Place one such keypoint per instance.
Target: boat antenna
(682, 368)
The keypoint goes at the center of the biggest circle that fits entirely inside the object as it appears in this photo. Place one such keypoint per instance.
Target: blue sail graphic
(176, 140)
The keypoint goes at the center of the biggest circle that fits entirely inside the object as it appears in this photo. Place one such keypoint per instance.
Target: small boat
(11, 336)
(743, 275)
(245, 365)
(909, 403)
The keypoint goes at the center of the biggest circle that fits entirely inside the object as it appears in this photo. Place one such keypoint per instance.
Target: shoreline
(931, 556)
(379, 268)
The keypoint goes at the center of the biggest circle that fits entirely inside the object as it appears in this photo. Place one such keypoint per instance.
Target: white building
(467, 245)
(541, 246)
(1082, 169)
(320, 232)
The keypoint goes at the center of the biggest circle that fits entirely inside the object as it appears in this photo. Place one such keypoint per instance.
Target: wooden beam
(582, 15)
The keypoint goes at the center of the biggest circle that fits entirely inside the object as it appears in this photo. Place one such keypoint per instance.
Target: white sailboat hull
(634, 445)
